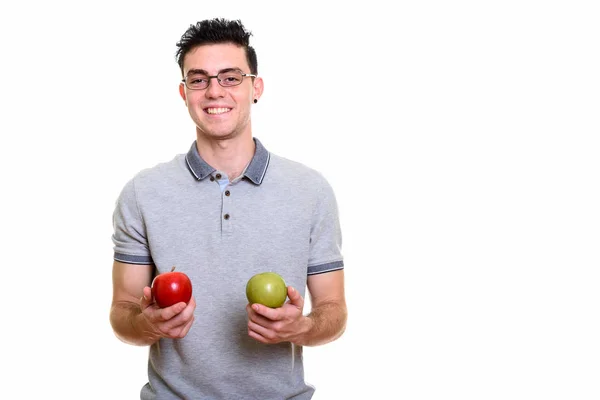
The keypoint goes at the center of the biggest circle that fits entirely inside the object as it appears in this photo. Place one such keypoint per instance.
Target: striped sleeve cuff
(129, 259)
(322, 268)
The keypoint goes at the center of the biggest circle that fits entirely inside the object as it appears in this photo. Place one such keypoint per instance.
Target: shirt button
(212, 179)
(227, 193)
(226, 216)
(218, 176)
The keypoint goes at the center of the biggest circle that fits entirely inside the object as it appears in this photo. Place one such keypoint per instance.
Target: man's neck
(229, 155)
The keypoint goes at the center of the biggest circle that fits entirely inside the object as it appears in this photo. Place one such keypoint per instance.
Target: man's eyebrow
(197, 71)
(203, 72)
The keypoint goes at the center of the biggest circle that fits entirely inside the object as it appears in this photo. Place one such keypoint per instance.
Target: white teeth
(218, 110)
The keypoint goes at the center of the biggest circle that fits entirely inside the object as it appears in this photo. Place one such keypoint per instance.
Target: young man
(221, 213)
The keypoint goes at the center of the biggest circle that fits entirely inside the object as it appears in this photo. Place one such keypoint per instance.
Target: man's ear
(182, 92)
(259, 86)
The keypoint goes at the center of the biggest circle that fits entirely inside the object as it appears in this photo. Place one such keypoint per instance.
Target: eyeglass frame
(209, 77)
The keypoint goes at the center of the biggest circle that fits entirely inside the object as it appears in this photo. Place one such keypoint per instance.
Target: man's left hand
(275, 325)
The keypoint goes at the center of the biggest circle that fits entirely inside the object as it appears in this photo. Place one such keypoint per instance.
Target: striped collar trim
(255, 171)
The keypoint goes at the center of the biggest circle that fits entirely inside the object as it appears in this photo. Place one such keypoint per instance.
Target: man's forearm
(326, 323)
(130, 326)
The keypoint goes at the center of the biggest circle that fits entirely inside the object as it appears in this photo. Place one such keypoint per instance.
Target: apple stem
(173, 269)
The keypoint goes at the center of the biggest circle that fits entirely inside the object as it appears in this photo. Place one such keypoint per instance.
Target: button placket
(227, 221)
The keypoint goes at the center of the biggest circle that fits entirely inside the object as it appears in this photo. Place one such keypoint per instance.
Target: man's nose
(214, 89)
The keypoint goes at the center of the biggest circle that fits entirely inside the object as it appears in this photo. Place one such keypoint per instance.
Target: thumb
(146, 299)
(295, 298)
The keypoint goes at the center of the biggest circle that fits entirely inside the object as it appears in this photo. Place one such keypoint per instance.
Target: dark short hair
(216, 31)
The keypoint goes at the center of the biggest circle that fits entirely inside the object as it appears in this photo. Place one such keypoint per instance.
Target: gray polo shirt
(279, 216)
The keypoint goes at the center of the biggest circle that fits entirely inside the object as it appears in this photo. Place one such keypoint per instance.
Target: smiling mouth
(219, 110)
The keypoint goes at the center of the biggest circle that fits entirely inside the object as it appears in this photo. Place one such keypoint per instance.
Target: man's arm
(328, 312)
(126, 317)
(135, 318)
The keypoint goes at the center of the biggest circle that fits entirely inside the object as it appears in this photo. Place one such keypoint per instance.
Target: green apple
(266, 288)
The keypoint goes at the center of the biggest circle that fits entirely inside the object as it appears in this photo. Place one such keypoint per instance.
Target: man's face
(219, 112)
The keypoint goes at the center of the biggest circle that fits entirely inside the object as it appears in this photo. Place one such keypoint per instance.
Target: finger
(148, 293)
(270, 313)
(295, 298)
(171, 311)
(251, 309)
(174, 326)
(258, 337)
(260, 333)
(187, 327)
(188, 312)
(261, 330)
(192, 304)
(260, 320)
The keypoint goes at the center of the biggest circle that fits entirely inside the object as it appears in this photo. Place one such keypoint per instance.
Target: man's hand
(172, 322)
(275, 325)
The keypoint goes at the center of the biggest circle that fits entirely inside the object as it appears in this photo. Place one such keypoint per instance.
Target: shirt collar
(255, 171)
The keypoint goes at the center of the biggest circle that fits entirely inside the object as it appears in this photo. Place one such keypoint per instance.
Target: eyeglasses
(226, 78)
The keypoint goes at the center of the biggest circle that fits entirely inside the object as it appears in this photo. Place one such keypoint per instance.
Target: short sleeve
(129, 235)
(325, 237)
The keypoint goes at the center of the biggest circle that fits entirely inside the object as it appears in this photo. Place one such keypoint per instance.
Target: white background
(461, 139)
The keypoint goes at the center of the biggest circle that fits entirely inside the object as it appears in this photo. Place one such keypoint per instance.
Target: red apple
(171, 288)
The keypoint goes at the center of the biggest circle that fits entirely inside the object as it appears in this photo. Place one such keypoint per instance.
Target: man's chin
(218, 135)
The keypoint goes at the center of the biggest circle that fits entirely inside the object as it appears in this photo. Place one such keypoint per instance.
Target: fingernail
(255, 307)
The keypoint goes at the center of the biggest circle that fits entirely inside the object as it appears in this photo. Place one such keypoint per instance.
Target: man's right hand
(172, 322)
